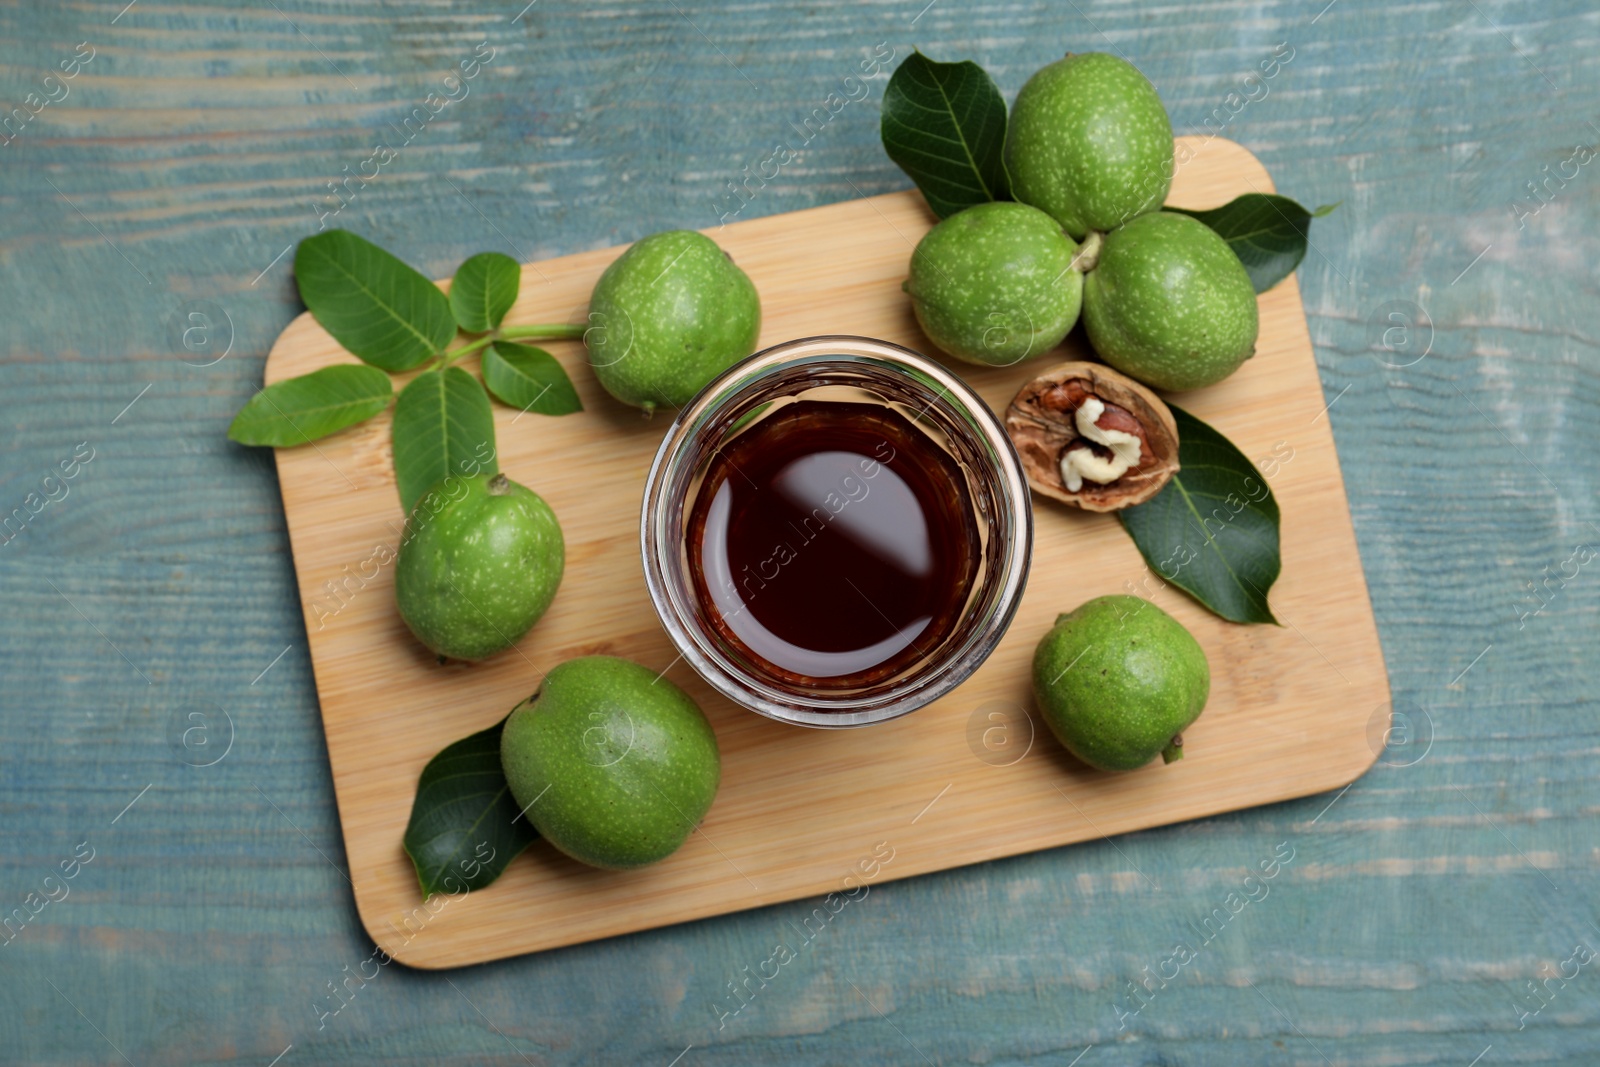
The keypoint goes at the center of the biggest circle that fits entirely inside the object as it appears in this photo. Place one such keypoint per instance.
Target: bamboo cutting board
(973, 777)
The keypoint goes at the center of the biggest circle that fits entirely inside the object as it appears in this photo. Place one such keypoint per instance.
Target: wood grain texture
(1420, 902)
(798, 809)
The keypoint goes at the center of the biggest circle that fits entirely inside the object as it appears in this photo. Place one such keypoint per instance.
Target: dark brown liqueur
(833, 544)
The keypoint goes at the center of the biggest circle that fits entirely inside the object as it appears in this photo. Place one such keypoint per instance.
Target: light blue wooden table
(205, 916)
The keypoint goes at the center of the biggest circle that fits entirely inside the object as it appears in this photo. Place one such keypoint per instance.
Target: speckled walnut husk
(1042, 425)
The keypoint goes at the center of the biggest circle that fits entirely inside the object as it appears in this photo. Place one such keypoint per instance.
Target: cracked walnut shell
(1093, 437)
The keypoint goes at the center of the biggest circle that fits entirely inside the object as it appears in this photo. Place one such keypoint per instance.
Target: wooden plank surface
(1290, 706)
(190, 155)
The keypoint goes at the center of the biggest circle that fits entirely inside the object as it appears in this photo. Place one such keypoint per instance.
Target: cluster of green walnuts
(1089, 155)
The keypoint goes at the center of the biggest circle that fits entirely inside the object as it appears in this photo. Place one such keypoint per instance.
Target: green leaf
(1212, 531)
(313, 405)
(372, 303)
(442, 425)
(529, 378)
(483, 291)
(1269, 233)
(945, 125)
(465, 825)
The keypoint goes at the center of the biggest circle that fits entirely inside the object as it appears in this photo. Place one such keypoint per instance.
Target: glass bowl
(850, 370)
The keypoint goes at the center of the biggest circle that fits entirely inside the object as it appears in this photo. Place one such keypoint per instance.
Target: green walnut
(479, 563)
(1169, 303)
(613, 764)
(1090, 142)
(667, 316)
(1118, 681)
(995, 284)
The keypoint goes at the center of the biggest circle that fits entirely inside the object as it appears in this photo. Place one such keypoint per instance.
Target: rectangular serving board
(958, 782)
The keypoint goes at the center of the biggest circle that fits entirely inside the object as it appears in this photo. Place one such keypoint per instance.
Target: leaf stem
(447, 358)
(569, 331)
(556, 330)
